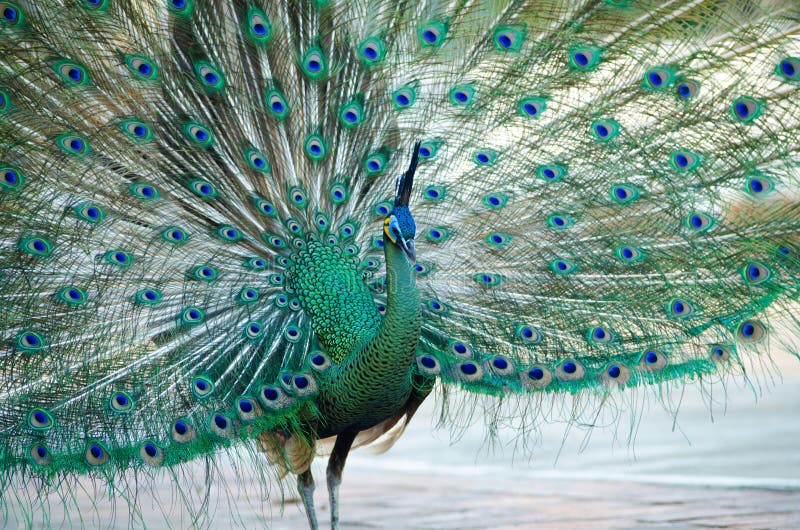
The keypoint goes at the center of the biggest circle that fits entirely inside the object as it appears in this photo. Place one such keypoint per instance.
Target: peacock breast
(332, 292)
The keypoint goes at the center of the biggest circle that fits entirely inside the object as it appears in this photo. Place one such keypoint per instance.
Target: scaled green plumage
(205, 247)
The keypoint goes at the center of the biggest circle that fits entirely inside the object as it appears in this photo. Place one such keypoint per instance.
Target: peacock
(272, 228)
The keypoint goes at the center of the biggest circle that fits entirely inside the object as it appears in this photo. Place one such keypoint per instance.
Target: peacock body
(204, 246)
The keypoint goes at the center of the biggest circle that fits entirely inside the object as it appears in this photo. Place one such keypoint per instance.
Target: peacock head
(399, 227)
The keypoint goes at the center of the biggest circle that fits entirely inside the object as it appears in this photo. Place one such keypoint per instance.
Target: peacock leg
(334, 474)
(305, 484)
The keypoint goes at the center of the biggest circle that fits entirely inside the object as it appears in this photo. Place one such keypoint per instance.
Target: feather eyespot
(719, 352)
(151, 454)
(382, 209)
(146, 192)
(372, 51)
(485, 157)
(276, 104)
(374, 164)
(298, 197)
(570, 370)
(428, 150)
(118, 258)
(652, 360)
(789, 68)
(560, 221)
(680, 308)
(745, 109)
(759, 186)
(432, 34)
(202, 387)
(40, 419)
(36, 246)
(96, 454)
(29, 341)
(192, 316)
(148, 296)
(351, 115)
(73, 144)
(182, 431)
(319, 361)
(89, 212)
(256, 160)
(629, 254)
(428, 364)
(686, 89)
(72, 296)
(229, 234)
(659, 78)
(12, 179)
(314, 63)
(508, 38)
(537, 376)
(248, 295)
(72, 73)
(551, 172)
(404, 97)
(584, 58)
(257, 26)
(141, 67)
(315, 147)
(180, 7)
(462, 95)
(138, 130)
(40, 455)
(624, 193)
(685, 160)
(253, 330)
(338, 193)
(756, 273)
(605, 130)
(198, 134)
(120, 402)
(203, 189)
(616, 374)
(563, 266)
(11, 14)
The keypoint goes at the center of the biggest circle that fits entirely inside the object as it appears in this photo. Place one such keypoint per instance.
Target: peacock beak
(408, 247)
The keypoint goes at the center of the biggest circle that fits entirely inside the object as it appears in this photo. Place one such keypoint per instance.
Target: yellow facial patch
(386, 223)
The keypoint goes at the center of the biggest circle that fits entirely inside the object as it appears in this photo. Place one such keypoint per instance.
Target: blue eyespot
(10, 14)
(469, 368)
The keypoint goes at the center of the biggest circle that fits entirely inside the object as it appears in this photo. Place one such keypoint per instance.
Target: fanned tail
(606, 196)
(615, 202)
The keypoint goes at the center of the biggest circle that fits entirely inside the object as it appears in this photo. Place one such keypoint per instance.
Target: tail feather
(606, 196)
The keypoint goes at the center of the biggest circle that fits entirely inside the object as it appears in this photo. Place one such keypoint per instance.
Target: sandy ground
(735, 465)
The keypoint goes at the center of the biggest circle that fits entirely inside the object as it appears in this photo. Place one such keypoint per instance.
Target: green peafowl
(205, 248)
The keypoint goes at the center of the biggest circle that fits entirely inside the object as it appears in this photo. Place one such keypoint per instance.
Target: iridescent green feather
(193, 257)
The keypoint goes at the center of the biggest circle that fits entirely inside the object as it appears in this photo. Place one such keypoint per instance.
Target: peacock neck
(401, 323)
(377, 377)
(395, 341)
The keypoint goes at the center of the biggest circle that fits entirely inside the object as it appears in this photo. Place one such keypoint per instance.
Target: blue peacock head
(399, 227)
